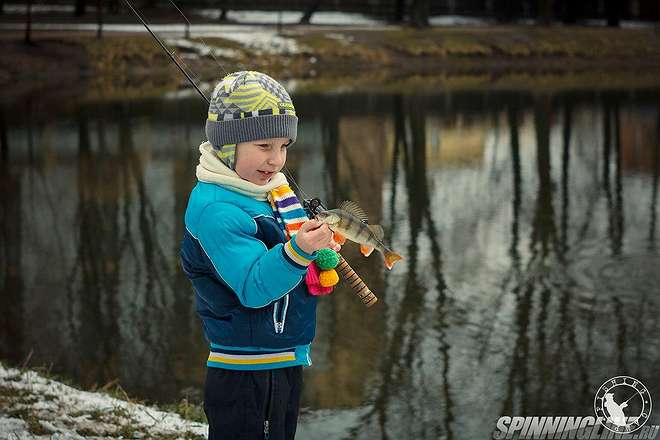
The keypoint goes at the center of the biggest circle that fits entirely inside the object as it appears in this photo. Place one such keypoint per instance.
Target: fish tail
(391, 257)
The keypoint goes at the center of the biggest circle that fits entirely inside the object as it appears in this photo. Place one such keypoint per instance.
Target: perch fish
(349, 221)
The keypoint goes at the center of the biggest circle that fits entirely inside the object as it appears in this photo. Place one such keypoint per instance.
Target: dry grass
(132, 65)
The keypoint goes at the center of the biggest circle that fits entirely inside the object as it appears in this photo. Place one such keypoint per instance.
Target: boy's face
(258, 161)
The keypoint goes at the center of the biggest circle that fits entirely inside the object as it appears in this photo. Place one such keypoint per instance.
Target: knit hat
(247, 106)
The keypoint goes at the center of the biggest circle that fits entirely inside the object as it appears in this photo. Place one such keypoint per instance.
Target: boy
(246, 250)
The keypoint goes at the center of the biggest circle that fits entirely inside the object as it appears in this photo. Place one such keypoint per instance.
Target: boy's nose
(276, 158)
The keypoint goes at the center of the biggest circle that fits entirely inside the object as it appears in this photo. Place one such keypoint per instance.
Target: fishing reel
(313, 206)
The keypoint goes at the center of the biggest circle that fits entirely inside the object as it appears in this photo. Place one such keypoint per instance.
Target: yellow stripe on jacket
(251, 359)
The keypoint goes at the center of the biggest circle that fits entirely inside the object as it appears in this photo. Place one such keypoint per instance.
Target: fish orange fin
(391, 258)
(366, 250)
(339, 238)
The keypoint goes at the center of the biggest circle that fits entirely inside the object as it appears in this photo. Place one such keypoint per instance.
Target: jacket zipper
(279, 313)
(268, 403)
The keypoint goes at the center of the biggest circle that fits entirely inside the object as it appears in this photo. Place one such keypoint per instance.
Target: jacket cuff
(297, 256)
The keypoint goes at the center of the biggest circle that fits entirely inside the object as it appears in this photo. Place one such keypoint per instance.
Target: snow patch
(267, 41)
(292, 17)
(458, 20)
(34, 403)
(40, 9)
(202, 49)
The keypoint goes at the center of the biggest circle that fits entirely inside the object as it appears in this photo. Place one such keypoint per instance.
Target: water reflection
(527, 223)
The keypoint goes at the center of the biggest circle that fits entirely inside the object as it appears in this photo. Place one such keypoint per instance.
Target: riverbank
(32, 405)
(128, 62)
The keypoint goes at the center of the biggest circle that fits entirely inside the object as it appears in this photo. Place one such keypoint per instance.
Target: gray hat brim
(234, 131)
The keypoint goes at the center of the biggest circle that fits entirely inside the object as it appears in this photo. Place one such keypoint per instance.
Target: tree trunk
(223, 14)
(399, 11)
(307, 16)
(28, 23)
(419, 13)
(506, 11)
(114, 6)
(512, 10)
(613, 11)
(81, 6)
(99, 19)
(546, 11)
(569, 11)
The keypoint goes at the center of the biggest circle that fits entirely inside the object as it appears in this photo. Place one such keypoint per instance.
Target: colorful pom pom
(313, 285)
(326, 259)
(328, 278)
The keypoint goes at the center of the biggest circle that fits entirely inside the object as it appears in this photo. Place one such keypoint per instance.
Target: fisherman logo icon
(622, 404)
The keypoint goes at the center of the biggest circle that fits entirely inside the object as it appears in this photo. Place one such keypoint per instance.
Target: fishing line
(173, 52)
(128, 3)
(288, 175)
(201, 39)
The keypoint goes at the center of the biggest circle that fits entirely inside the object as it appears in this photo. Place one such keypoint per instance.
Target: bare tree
(546, 11)
(613, 12)
(506, 10)
(420, 10)
(80, 8)
(570, 11)
(99, 19)
(28, 23)
(311, 8)
(399, 11)
(223, 11)
(114, 6)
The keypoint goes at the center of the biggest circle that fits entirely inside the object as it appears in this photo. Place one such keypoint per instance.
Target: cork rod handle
(361, 289)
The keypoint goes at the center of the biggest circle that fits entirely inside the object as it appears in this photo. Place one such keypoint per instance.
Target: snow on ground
(201, 49)
(292, 17)
(32, 406)
(262, 39)
(458, 20)
(41, 9)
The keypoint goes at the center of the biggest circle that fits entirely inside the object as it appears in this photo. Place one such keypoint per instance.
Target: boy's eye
(268, 146)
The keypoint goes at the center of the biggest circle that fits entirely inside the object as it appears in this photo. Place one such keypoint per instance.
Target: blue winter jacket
(248, 280)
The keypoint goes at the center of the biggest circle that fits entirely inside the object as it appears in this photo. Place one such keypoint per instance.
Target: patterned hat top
(248, 93)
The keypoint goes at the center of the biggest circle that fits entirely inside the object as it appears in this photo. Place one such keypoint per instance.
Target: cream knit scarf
(212, 170)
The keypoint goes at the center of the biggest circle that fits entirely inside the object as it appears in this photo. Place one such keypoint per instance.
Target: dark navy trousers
(252, 405)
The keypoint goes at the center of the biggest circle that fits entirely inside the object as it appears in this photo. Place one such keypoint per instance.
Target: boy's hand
(314, 235)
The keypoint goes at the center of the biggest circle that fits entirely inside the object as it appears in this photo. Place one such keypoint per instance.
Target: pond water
(527, 223)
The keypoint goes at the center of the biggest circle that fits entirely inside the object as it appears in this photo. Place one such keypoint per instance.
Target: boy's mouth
(266, 173)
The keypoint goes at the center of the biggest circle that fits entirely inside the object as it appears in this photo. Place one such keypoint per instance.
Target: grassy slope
(501, 57)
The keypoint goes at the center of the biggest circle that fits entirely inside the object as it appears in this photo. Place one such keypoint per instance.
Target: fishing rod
(167, 51)
(312, 206)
